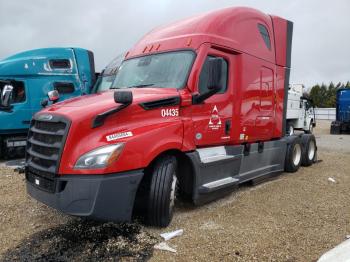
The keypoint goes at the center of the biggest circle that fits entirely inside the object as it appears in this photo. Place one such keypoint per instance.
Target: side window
(64, 87)
(18, 93)
(203, 78)
(59, 64)
(265, 35)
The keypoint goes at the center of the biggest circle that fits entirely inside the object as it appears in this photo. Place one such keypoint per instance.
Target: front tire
(293, 155)
(311, 129)
(162, 192)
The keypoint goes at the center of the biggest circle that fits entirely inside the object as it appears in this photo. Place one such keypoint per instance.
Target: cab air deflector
(170, 101)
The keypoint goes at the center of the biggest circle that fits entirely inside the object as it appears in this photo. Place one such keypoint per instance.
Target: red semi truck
(197, 108)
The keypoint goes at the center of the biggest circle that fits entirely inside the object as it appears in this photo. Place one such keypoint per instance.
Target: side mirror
(214, 70)
(6, 96)
(53, 96)
(123, 97)
(120, 97)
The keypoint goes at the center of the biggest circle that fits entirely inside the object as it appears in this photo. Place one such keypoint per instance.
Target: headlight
(100, 157)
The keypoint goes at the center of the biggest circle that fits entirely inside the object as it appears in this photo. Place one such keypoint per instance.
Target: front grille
(46, 139)
(49, 126)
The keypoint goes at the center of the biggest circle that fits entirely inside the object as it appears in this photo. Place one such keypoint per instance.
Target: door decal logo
(215, 120)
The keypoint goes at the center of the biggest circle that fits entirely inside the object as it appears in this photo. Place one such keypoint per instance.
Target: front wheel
(162, 192)
(311, 129)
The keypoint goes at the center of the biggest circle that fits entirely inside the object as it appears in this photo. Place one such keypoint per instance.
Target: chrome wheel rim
(312, 150)
(296, 154)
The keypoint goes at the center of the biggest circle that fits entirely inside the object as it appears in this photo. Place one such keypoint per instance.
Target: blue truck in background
(27, 78)
(342, 122)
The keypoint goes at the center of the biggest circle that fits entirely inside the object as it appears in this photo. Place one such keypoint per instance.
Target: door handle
(227, 127)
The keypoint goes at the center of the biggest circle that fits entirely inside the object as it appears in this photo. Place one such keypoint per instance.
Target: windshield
(104, 83)
(159, 70)
(105, 80)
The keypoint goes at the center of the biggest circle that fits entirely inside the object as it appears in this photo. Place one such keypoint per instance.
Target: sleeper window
(265, 35)
(60, 64)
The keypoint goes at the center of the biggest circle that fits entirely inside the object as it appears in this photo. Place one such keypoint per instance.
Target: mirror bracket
(200, 98)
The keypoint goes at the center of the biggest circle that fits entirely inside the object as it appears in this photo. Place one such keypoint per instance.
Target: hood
(92, 105)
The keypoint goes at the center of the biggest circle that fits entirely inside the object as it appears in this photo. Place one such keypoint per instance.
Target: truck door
(212, 118)
(265, 121)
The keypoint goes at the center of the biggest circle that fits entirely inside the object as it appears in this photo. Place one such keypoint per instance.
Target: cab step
(219, 184)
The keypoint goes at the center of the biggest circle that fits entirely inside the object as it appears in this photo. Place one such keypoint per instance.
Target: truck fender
(162, 149)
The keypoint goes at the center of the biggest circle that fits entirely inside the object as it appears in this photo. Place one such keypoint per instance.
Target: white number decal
(170, 112)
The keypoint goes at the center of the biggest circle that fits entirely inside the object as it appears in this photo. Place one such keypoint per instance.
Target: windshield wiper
(135, 86)
(140, 86)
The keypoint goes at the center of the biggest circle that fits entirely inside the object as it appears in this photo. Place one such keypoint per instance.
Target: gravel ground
(295, 217)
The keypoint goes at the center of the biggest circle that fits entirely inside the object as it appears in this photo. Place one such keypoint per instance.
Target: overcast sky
(321, 40)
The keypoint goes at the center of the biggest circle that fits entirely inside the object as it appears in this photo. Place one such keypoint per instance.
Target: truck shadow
(82, 240)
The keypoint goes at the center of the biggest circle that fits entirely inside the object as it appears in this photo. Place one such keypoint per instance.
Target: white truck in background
(300, 111)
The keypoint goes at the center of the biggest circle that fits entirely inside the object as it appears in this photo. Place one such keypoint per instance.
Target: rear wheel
(162, 192)
(293, 155)
(309, 150)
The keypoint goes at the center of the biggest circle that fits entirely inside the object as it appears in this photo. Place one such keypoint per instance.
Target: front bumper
(102, 197)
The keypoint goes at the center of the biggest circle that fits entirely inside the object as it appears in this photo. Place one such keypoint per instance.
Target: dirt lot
(295, 217)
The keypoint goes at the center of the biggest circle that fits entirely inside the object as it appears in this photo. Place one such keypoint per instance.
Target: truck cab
(25, 80)
(300, 111)
(197, 108)
(342, 122)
